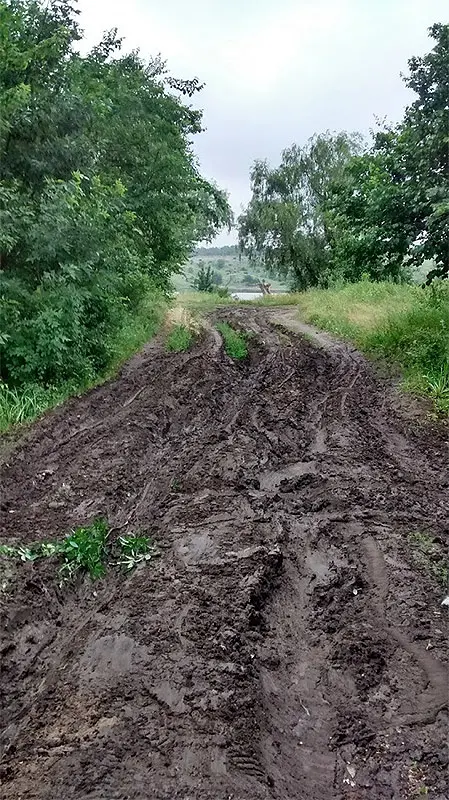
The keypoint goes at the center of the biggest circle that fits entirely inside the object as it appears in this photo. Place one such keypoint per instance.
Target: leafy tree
(390, 210)
(204, 279)
(284, 228)
(101, 198)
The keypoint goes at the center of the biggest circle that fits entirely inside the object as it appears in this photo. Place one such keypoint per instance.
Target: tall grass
(405, 325)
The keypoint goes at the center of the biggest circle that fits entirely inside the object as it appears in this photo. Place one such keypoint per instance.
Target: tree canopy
(338, 208)
(101, 197)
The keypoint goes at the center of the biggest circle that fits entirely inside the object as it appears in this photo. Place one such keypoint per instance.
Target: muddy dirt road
(289, 642)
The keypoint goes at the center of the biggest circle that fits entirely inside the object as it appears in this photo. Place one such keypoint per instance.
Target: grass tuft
(234, 343)
(179, 339)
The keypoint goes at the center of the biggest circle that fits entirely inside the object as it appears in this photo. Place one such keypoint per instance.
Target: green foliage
(284, 227)
(405, 325)
(179, 339)
(331, 211)
(84, 550)
(234, 343)
(101, 199)
(135, 550)
(26, 404)
(389, 211)
(207, 280)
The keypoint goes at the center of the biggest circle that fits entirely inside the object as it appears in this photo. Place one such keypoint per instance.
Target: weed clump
(86, 550)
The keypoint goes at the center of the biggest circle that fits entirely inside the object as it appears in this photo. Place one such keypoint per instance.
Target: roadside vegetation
(101, 203)
(340, 207)
(179, 339)
(405, 325)
(182, 328)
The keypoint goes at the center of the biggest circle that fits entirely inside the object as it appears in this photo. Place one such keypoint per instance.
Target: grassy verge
(203, 301)
(234, 343)
(27, 403)
(406, 326)
(182, 327)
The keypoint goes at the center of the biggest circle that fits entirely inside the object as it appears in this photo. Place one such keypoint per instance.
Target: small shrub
(84, 550)
(234, 343)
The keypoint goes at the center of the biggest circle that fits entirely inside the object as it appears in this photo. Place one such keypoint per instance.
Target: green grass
(203, 301)
(86, 551)
(427, 555)
(179, 339)
(18, 406)
(404, 325)
(284, 299)
(234, 343)
(24, 405)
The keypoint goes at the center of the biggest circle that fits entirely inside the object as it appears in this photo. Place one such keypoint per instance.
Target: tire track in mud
(283, 645)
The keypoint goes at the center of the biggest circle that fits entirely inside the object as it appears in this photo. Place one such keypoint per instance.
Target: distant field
(233, 271)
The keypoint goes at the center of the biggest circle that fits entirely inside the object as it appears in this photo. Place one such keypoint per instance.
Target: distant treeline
(227, 250)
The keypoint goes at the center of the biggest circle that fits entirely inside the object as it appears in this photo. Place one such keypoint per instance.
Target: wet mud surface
(288, 642)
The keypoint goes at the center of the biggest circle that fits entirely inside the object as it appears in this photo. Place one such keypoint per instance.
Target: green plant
(427, 555)
(101, 201)
(179, 339)
(234, 343)
(84, 550)
(438, 388)
(134, 550)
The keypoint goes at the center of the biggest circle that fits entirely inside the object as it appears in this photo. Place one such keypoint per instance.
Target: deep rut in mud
(284, 644)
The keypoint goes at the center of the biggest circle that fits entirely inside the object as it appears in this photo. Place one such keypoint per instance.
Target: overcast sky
(276, 71)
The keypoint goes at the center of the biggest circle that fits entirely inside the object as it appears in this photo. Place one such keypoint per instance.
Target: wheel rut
(284, 644)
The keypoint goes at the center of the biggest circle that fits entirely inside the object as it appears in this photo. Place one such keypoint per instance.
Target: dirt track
(284, 645)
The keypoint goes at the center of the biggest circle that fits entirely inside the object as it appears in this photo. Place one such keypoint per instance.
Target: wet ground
(289, 641)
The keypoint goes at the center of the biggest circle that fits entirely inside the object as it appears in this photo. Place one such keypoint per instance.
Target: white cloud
(276, 72)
